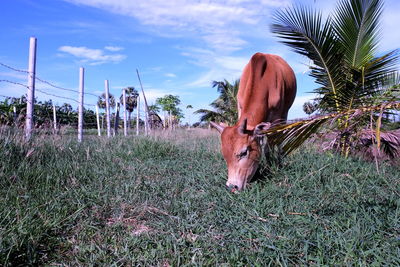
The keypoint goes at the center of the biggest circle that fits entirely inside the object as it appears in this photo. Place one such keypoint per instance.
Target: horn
(243, 126)
(217, 126)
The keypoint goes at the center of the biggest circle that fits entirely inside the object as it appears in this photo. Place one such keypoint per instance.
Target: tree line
(13, 113)
(67, 115)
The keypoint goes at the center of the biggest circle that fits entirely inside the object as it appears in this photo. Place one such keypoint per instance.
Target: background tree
(154, 108)
(131, 101)
(169, 103)
(65, 114)
(101, 101)
(6, 112)
(43, 113)
(310, 107)
(225, 106)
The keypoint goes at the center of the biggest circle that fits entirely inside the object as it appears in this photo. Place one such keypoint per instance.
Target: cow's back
(267, 90)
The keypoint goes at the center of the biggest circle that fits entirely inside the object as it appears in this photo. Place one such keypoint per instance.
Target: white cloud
(205, 79)
(214, 22)
(113, 48)
(218, 67)
(219, 28)
(171, 75)
(91, 56)
(232, 63)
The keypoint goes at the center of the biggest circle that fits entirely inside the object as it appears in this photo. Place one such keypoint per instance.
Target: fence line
(64, 97)
(40, 80)
(30, 99)
(61, 88)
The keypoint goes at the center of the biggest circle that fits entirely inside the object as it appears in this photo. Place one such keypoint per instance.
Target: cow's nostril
(232, 188)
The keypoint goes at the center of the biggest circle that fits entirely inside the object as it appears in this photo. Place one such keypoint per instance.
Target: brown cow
(266, 92)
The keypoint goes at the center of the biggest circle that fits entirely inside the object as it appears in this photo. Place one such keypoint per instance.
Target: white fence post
(54, 118)
(98, 120)
(137, 115)
(31, 88)
(124, 103)
(15, 115)
(108, 121)
(80, 108)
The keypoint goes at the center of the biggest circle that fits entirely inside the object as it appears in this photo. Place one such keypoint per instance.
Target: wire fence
(72, 118)
(26, 103)
(44, 82)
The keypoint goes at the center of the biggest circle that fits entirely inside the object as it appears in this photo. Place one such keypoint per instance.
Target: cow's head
(242, 151)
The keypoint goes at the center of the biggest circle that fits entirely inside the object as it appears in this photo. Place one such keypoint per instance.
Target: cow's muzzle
(232, 188)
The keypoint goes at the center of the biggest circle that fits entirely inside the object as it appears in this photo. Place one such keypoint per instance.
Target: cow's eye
(243, 153)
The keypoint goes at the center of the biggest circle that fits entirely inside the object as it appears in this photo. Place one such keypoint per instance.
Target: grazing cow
(266, 92)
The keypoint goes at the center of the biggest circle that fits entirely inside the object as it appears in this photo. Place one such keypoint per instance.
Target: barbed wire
(62, 88)
(14, 69)
(46, 93)
(40, 80)
(90, 105)
(16, 83)
(68, 98)
(45, 82)
(85, 104)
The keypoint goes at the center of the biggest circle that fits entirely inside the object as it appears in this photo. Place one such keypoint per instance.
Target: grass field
(161, 201)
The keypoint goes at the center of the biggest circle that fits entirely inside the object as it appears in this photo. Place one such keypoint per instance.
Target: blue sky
(179, 46)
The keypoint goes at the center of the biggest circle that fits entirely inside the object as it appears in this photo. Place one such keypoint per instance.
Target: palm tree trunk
(116, 121)
(129, 119)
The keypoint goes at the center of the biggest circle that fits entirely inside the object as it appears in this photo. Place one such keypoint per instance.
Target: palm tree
(310, 107)
(343, 52)
(131, 101)
(101, 101)
(225, 106)
(154, 108)
(154, 118)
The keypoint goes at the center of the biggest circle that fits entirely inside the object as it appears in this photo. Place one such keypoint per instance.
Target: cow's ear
(217, 126)
(260, 128)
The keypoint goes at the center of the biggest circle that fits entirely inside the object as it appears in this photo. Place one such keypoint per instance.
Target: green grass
(161, 201)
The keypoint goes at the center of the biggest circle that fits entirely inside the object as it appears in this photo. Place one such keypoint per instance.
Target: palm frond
(357, 26)
(210, 115)
(302, 29)
(380, 67)
(390, 141)
(291, 136)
